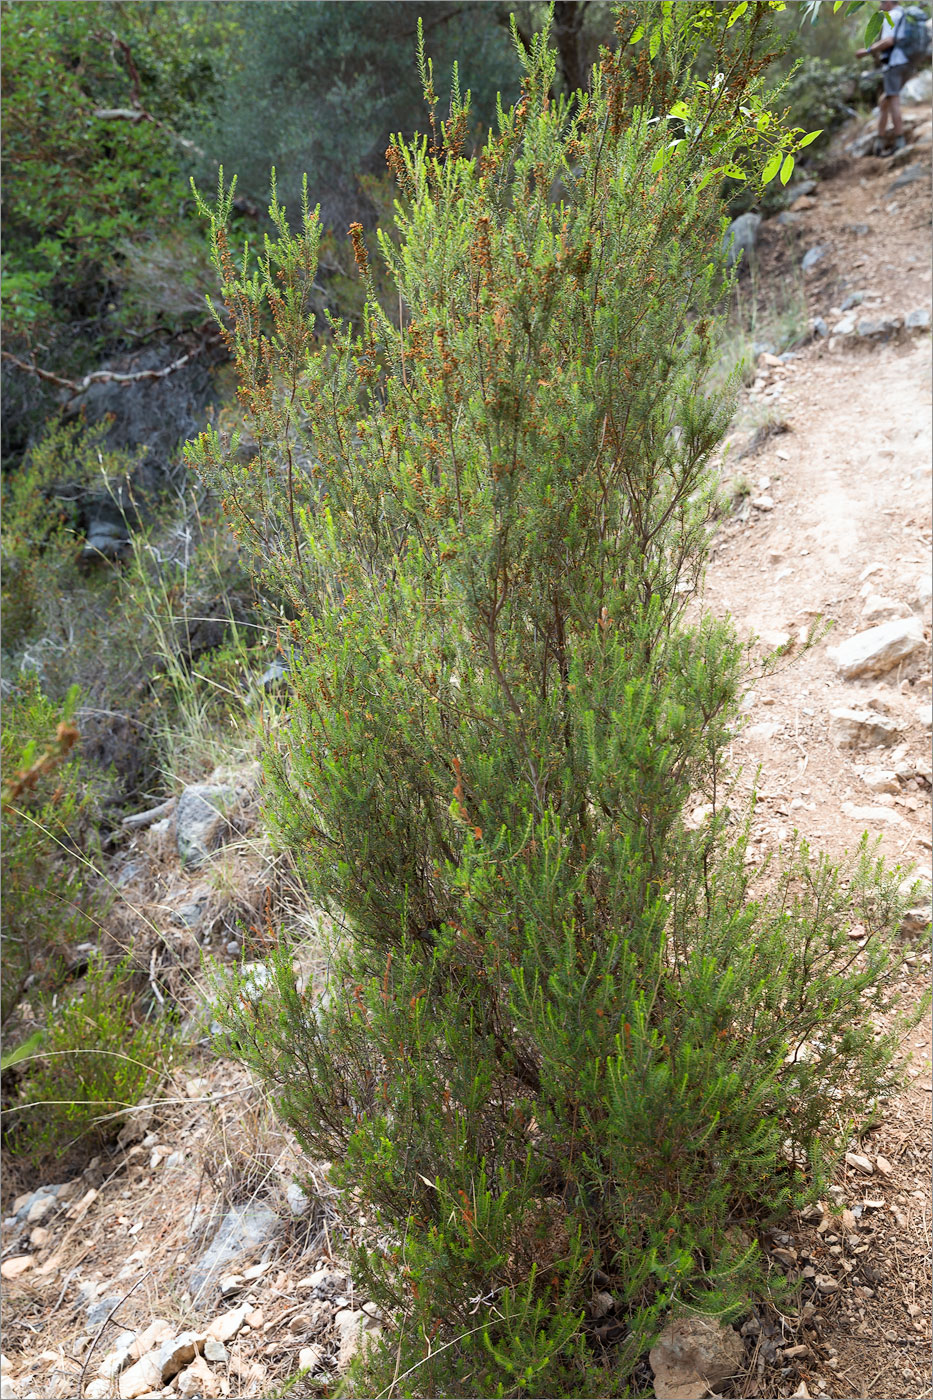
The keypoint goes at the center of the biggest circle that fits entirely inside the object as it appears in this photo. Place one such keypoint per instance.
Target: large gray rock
(202, 820)
(812, 256)
(919, 91)
(694, 1355)
(243, 1231)
(909, 177)
(179, 1351)
(870, 327)
(741, 237)
(24, 1204)
(880, 649)
(862, 729)
(98, 1312)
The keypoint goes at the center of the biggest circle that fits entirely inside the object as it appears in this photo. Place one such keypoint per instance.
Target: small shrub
(49, 827)
(97, 1058)
(566, 1038)
(53, 608)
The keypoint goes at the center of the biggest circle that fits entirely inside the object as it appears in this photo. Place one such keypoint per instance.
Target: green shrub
(44, 589)
(138, 636)
(83, 174)
(821, 96)
(97, 1058)
(565, 1038)
(48, 822)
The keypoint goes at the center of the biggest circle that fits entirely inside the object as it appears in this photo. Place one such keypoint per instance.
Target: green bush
(566, 1044)
(97, 1058)
(139, 636)
(43, 584)
(83, 172)
(822, 96)
(48, 822)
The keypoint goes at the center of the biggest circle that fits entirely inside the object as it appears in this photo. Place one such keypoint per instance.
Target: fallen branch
(136, 113)
(126, 114)
(139, 114)
(99, 376)
(140, 819)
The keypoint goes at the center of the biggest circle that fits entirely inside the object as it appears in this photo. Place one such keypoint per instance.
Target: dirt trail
(843, 510)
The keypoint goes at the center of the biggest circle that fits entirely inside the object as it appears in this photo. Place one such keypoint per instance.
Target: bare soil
(849, 479)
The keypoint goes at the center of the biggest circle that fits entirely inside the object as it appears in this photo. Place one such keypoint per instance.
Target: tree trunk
(568, 26)
(566, 33)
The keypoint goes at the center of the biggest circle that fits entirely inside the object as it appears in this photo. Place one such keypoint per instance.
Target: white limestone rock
(878, 650)
(861, 729)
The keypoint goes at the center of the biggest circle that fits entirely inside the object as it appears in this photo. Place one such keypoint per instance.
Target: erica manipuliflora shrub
(566, 1045)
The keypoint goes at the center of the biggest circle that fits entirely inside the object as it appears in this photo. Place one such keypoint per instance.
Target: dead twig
(64, 1289)
(106, 1323)
(137, 819)
(100, 376)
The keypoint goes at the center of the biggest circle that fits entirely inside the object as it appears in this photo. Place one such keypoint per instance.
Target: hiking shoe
(898, 145)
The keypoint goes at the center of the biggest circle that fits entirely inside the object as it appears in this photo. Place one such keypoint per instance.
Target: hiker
(901, 47)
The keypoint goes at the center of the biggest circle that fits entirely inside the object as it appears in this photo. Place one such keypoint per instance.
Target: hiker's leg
(897, 120)
(882, 116)
(894, 77)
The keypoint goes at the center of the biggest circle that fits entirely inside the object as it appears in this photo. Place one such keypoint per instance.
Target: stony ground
(205, 1256)
(837, 525)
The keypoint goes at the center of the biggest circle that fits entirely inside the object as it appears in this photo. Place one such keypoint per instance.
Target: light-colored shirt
(895, 55)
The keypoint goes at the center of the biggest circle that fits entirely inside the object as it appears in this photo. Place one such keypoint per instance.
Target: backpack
(911, 35)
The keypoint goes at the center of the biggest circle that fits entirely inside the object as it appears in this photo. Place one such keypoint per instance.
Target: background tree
(318, 88)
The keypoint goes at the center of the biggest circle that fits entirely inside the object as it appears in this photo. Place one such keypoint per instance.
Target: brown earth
(849, 479)
(847, 505)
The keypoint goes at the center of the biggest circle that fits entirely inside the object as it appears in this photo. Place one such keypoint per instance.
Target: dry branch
(100, 376)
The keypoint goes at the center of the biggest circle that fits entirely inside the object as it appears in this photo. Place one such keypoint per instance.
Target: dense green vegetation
(93, 95)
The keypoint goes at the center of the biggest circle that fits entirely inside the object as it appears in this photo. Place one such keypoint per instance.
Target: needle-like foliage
(564, 1046)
